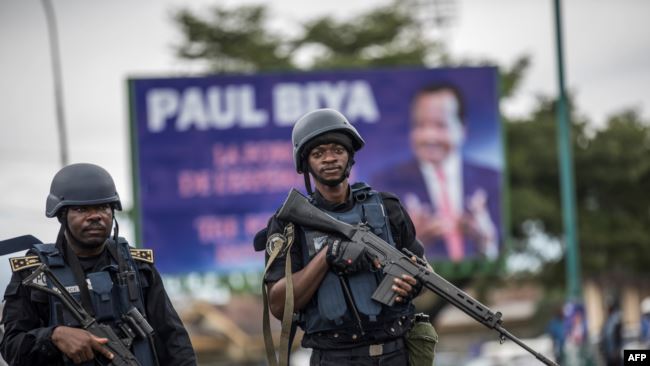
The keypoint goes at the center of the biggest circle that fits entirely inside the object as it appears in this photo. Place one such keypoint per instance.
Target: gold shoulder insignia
(144, 255)
(20, 263)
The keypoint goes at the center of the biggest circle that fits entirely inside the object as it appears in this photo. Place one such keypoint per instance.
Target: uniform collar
(321, 202)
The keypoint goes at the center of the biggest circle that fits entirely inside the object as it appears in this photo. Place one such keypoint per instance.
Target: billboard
(212, 157)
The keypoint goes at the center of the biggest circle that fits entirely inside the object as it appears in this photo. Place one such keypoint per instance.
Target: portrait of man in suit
(453, 201)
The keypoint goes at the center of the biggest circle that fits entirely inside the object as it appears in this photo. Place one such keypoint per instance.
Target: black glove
(347, 257)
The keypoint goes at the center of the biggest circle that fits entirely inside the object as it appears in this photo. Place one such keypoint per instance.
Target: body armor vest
(328, 310)
(110, 300)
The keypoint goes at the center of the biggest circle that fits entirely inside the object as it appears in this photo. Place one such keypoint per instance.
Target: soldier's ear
(62, 215)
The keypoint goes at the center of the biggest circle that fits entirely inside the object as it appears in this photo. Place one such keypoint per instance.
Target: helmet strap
(116, 227)
(348, 168)
(307, 183)
(64, 224)
(60, 239)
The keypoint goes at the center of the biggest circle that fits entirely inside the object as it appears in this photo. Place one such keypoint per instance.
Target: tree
(613, 170)
(612, 167)
(232, 40)
(238, 40)
(385, 36)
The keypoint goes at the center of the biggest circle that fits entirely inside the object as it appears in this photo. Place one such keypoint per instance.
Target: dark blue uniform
(29, 318)
(330, 328)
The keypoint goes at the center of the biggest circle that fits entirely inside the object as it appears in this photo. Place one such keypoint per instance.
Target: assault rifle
(299, 210)
(118, 347)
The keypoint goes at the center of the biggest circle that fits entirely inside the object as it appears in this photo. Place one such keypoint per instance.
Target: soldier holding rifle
(331, 282)
(115, 286)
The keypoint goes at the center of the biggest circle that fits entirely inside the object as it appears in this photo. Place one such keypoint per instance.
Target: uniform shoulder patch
(274, 243)
(144, 255)
(20, 263)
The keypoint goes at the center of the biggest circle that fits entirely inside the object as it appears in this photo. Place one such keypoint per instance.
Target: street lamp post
(581, 350)
(574, 292)
(58, 84)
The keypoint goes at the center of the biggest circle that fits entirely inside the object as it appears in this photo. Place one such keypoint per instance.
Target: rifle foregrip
(384, 292)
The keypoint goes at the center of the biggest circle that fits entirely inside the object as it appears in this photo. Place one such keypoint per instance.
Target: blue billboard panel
(213, 157)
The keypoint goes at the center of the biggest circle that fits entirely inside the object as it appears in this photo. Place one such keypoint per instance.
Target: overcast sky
(104, 42)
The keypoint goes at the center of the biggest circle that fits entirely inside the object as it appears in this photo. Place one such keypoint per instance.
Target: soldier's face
(436, 127)
(90, 225)
(328, 161)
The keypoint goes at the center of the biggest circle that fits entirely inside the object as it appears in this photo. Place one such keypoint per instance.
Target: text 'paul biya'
(224, 107)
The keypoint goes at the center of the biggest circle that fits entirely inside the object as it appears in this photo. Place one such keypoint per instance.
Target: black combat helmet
(80, 185)
(316, 123)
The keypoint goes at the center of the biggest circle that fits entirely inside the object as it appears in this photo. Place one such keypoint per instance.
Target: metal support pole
(572, 253)
(58, 84)
(574, 291)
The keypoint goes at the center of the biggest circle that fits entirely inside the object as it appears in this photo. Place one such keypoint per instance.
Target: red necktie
(453, 237)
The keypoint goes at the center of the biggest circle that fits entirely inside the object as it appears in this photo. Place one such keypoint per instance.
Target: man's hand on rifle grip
(79, 345)
(406, 286)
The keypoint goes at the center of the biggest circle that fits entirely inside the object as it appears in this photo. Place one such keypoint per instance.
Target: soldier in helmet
(104, 274)
(331, 295)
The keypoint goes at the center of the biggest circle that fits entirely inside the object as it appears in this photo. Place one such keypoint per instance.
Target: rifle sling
(123, 268)
(287, 317)
(80, 279)
(80, 276)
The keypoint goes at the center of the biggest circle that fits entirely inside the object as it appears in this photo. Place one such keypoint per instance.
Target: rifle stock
(299, 210)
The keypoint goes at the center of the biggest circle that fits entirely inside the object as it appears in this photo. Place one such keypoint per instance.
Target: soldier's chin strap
(308, 183)
(287, 316)
(116, 227)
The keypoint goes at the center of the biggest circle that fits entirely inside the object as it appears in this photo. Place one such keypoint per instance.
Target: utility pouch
(101, 295)
(421, 341)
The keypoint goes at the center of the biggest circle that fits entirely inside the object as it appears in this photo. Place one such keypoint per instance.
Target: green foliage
(385, 36)
(532, 164)
(612, 169)
(238, 40)
(232, 40)
(511, 76)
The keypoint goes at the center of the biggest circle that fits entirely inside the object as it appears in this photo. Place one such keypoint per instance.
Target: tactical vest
(110, 300)
(329, 310)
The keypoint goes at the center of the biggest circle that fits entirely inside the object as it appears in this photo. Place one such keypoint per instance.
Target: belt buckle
(376, 350)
